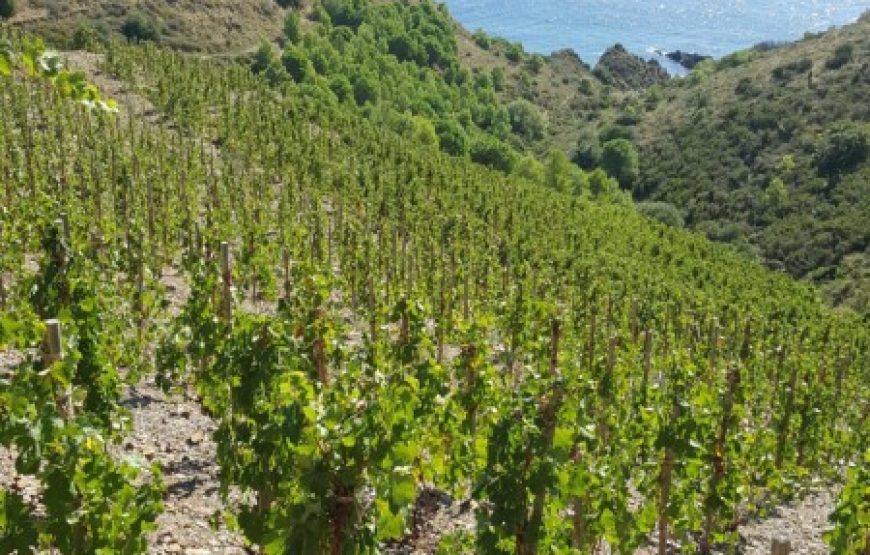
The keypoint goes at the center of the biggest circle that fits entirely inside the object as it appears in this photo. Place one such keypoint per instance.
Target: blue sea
(712, 27)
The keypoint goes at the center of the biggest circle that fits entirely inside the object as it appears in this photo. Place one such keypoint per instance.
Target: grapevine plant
(572, 373)
(61, 415)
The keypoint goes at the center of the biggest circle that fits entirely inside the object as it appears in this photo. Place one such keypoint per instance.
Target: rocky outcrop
(622, 69)
(686, 59)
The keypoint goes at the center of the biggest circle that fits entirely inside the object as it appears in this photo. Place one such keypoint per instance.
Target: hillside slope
(382, 318)
(561, 85)
(748, 150)
(191, 25)
(769, 150)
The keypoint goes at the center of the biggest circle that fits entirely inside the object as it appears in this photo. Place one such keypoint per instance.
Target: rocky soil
(173, 431)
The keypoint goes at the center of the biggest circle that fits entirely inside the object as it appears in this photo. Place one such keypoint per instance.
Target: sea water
(711, 27)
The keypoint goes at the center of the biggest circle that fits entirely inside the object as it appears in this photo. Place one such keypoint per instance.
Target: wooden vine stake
(528, 537)
(140, 298)
(227, 275)
(780, 547)
(286, 261)
(647, 363)
(719, 459)
(64, 227)
(53, 344)
(53, 352)
(319, 348)
(665, 478)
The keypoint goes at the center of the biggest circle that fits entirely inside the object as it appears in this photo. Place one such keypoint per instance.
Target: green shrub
(453, 138)
(481, 38)
(615, 131)
(498, 79)
(492, 152)
(514, 52)
(664, 212)
(843, 148)
(297, 64)
(587, 153)
(85, 37)
(736, 59)
(365, 89)
(295, 4)
(619, 159)
(418, 129)
(263, 58)
(842, 56)
(746, 88)
(7, 8)
(292, 29)
(526, 120)
(138, 27)
(535, 63)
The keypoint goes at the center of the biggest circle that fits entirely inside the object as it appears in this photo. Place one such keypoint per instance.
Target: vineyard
(370, 319)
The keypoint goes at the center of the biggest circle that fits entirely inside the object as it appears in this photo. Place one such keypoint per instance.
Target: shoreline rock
(620, 68)
(686, 59)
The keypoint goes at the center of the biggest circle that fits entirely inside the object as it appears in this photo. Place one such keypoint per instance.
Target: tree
(842, 56)
(526, 120)
(7, 8)
(365, 89)
(498, 78)
(514, 52)
(138, 27)
(418, 129)
(264, 57)
(619, 158)
(453, 138)
(295, 4)
(562, 176)
(844, 147)
(492, 152)
(292, 29)
(340, 86)
(588, 152)
(407, 49)
(601, 185)
(776, 194)
(343, 12)
(664, 212)
(297, 64)
(530, 168)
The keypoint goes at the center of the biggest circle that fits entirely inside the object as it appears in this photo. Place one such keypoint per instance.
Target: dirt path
(802, 522)
(174, 432)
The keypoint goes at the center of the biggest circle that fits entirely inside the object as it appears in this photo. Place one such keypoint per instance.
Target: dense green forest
(392, 287)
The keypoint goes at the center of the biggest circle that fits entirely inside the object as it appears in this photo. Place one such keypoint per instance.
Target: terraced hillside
(362, 322)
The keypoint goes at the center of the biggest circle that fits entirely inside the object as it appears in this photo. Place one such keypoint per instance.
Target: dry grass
(211, 26)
